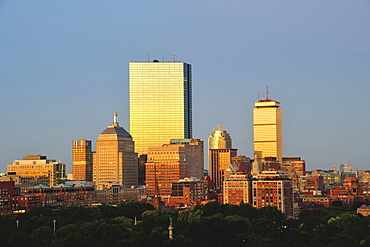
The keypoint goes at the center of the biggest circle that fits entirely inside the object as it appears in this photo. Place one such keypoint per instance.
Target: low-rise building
(273, 188)
(37, 169)
(64, 195)
(237, 189)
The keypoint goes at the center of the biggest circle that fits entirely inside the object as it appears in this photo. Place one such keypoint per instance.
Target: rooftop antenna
(148, 57)
(163, 56)
(173, 57)
(115, 116)
(115, 102)
(267, 89)
(258, 97)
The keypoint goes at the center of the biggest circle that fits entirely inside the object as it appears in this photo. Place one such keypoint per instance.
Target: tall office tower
(37, 169)
(220, 153)
(82, 160)
(167, 164)
(115, 161)
(220, 159)
(160, 103)
(267, 128)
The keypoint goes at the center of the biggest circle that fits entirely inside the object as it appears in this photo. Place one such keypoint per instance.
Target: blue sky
(63, 62)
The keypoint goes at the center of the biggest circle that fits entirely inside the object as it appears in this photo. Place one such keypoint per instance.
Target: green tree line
(214, 224)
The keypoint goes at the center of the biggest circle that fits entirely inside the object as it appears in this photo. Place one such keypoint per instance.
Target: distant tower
(219, 138)
(267, 128)
(160, 103)
(115, 161)
(220, 153)
(82, 160)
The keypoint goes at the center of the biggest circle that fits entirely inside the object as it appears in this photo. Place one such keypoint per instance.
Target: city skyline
(62, 64)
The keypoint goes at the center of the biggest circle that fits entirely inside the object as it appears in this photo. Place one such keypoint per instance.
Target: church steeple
(115, 120)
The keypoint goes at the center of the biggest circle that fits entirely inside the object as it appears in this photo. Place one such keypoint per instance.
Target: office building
(167, 164)
(37, 169)
(220, 159)
(219, 138)
(187, 191)
(82, 160)
(293, 165)
(243, 162)
(267, 128)
(237, 189)
(220, 154)
(273, 188)
(160, 103)
(194, 155)
(115, 161)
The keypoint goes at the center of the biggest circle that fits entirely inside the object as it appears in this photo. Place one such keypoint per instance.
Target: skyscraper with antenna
(115, 161)
(267, 128)
(160, 103)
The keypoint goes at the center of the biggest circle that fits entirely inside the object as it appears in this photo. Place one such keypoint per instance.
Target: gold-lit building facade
(267, 129)
(160, 103)
(82, 160)
(167, 164)
(237, 189)
(220, 153)
(36, 169)
(220, 159)
(273, 188)
(115, 161)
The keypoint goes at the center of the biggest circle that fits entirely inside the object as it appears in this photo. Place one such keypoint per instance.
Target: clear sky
(63, 62)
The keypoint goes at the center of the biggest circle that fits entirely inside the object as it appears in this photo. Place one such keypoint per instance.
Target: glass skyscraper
(160, 103)
(220, 153)
(267, 129)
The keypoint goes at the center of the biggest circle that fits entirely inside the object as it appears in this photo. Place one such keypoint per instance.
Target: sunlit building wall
(219, 154)
(115, 161)
(165, 165)
(36, 169)
(273, 188)
(160, 103)
(82, 160)
(293, 165)
(171, 162)
(267, 128)
(219, 138)
(237, 189)
(220, 159)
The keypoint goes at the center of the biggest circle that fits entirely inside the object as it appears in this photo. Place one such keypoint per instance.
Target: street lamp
(54, 221)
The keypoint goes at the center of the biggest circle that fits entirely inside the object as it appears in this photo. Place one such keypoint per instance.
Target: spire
(115, 119)
(157, 197)
(267, 89)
